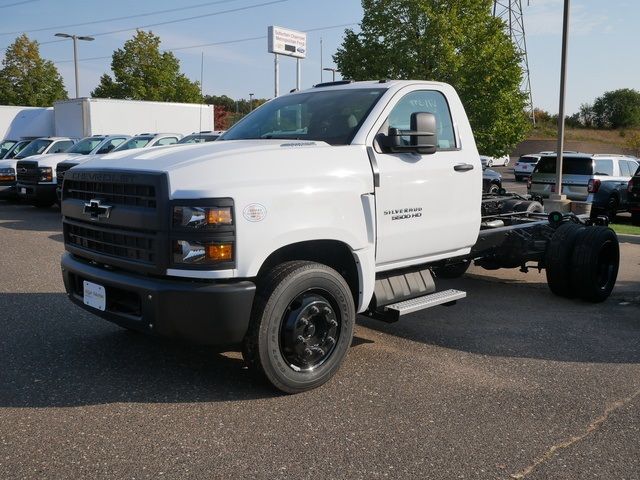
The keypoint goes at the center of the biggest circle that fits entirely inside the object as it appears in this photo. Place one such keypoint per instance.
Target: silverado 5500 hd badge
(404, 213)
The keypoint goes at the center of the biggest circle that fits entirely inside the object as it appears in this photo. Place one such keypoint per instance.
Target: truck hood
(9, 163)
(51, 159)
(224, 166)
(174, 157)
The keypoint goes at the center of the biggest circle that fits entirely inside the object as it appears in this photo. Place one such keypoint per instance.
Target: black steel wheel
(558, 263)
(301, 326)
(595, 262)
(310, 330)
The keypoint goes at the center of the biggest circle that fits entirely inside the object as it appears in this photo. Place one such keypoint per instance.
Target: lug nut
(303, 322)
(314, 310)
(300, 339)
(307, 352)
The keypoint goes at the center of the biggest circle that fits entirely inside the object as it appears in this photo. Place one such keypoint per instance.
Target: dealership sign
(283, 41)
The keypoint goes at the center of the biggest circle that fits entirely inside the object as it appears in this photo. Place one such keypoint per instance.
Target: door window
(603, 167)
(167, 141)
(110, 145)
(429, 101)
(61, 146)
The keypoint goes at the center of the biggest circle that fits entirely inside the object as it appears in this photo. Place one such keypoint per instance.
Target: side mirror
(422, 136)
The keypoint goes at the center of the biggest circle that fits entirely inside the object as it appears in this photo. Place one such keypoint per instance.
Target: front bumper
(37, 192)
(211, 313)
(8, 190)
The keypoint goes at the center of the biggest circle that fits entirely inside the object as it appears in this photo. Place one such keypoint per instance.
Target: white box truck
(83, 117)
(18, 122)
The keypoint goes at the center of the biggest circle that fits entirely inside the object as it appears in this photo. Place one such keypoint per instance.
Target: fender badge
(254, 212)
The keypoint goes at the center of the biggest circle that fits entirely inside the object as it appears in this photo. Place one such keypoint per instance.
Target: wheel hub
(309, 331)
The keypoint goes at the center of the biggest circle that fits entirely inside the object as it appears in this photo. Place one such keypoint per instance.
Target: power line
(177, 20)
(222, 42)
(15, 4)
(113, 19)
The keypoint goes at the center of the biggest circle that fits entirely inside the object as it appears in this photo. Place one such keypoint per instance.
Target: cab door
(427, 205)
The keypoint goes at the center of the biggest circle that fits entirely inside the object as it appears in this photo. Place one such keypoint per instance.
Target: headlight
(201, 217)
(46, 174)
(202, 253)
(7, 175)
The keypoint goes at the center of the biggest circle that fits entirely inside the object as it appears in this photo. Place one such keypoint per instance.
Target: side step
(427, 301)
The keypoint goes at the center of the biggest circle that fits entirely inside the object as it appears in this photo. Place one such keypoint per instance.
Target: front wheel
(635, 218)
(301, 326)
(494, 188)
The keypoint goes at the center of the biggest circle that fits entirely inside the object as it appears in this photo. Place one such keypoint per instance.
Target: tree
(458, 42)
(27, 79)
(617, 109)
(633, 143)
(142, 72)
(229, 111)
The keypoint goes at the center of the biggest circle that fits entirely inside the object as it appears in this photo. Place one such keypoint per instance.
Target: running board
(446, 297)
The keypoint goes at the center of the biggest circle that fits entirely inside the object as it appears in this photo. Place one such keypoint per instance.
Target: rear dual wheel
(582, 262)
(301, 326)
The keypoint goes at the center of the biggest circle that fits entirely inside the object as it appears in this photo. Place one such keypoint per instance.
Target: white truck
(83, 117)
(36, 180)
(319, 205)
(25, 122)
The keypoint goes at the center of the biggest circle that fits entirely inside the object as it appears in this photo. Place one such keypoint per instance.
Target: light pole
(75, 39)
(251, 102)
(333, 71)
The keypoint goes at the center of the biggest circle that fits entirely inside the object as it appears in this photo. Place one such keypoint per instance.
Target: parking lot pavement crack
(591, 428)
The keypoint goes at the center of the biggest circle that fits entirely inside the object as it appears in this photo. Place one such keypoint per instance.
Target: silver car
(598, 179)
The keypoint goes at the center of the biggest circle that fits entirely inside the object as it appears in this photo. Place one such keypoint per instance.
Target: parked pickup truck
(37, 174)
(144, 140)
(342, 199)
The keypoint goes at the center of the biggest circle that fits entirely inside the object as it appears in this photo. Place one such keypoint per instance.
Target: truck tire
(452, 270)
(301, 326)
(611, 210)
(635, 219)
(558, 259)
(493, 188)
(43, 204)
(529, 207)
(595, 261)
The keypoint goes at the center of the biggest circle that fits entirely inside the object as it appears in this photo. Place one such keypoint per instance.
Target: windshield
(332, 116)
(17, 148)
(135, 142)
(570, 165)
(86, 146)
(34, 148)
(5, 146)
(196, 138)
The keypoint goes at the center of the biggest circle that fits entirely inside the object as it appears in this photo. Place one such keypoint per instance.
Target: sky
(602, 43)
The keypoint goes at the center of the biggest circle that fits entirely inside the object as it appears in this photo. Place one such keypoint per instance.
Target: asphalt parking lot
(510, 383)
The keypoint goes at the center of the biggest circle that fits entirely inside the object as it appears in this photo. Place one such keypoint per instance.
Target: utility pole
(510, 11)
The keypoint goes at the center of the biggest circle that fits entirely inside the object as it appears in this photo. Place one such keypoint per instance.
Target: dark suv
(633, 198)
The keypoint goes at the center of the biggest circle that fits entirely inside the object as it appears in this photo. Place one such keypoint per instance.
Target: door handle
(463, 167)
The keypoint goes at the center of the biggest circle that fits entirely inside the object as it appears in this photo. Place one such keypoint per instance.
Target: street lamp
(251, 102)
(75, 39)
(333, 71)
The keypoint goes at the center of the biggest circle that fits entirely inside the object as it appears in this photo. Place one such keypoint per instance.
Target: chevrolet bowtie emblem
(97, 210)
(22, 170)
